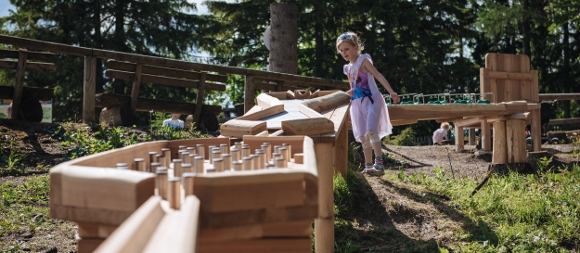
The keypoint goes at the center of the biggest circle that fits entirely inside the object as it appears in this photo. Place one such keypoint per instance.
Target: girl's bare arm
(368, 67)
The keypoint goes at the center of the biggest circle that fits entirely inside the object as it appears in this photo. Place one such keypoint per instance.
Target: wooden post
(516, 141)
(19, 84)
(324, 225)
(249, 93)
(89, 85)
(341, 150)
(485, 136)
(136, 84)
(283, 38)
(472, 136)
(199, 99)
(459, 139)
(536, 120)
(499, 143)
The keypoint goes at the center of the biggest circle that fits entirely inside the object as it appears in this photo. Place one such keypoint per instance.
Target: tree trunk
(284, 38)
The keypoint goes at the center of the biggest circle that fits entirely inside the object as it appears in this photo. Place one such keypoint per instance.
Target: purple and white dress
(368, 110)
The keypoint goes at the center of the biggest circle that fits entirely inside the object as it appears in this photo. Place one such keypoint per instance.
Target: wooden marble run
(257, 188)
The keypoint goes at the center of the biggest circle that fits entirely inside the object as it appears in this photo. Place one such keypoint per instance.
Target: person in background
(174, 121)
(368, 111)
(440, 133)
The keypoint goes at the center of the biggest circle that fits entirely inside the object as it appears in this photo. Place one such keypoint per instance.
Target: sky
(5, 6)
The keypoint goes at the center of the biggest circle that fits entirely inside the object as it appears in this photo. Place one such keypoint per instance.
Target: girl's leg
(378, 150)
(367, 151)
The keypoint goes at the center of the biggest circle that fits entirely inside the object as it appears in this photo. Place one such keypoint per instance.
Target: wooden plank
(42, 94)
(485, 136)
(536, 130)
(88, 245)
(95, 230)
(267, 245)
(170, 81)
(37, 56)
(200, 97)
(554, 122)
(171, 63)
(282, 229)
(263, 113)
(466, 122)
(327, 102)
(499, 143)
(459, 139)
(484, 85)
(324, 225)
(249, 93)
(341, 149)
(510, 75)
(162, 71)
(310, 126)
(89, 86)
(135, 89)
(239, 128)
(135, 232)
(30, 66)
(19, 84)
(264, 100)
(559, 96)
(516, 141)
(156, 105)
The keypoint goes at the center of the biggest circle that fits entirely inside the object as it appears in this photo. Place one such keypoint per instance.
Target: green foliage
(13, 159)
(405, 138)
(159, 132)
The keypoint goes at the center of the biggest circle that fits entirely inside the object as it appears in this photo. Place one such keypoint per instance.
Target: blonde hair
(445, 125)
(350, 38)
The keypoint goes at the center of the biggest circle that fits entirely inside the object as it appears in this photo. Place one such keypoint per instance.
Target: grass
(513, 213)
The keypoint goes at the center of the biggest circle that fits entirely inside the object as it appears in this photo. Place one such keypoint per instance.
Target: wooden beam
(156, 105)
(564, 121)
(536, 130)
(499, 143)
(510, 75)
(199, 99)
(30, 66)
(19, 84)
(249, 93)
(43, 94)
(135, 89)
(129, 76)
(162, 71)
(37, 56)
(89, 86)
(559, 96)
(171, 63)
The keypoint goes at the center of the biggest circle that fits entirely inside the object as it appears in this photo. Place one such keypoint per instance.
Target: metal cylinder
(174, 192)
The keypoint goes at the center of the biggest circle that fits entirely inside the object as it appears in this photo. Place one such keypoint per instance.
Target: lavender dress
(368, 110)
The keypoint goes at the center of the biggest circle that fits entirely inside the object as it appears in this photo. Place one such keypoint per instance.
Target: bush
(405, 138)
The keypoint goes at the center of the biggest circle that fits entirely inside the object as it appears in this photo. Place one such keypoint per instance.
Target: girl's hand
(395, 97)
(349, 92)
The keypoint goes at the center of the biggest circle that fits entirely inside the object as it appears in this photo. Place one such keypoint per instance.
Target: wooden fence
(254, 79)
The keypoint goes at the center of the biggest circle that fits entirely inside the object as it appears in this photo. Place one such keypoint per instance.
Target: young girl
(368, 110)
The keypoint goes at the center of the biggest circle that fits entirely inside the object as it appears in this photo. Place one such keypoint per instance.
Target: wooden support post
(136, 84)
(19, 84)
(324, 225)
(516, 141)
(249, 93)
(279, 85)
(485, 136)
(472, 136)
(341, 150)
(459, 139)
(499, 143)
(536, 130)
(89, 85)
(199, 99)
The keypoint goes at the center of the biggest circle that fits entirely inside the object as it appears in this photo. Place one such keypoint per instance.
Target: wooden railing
(254, 79)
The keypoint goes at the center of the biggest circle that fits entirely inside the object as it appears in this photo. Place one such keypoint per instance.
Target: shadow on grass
(363, 225)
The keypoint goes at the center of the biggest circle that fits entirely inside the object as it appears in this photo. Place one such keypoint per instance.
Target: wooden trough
(164, 195)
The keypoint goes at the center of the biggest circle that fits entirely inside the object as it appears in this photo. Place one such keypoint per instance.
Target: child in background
(368, 110)
(440, 133)
(174, 121)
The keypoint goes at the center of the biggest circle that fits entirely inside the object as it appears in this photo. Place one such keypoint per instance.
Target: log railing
(255, 79)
